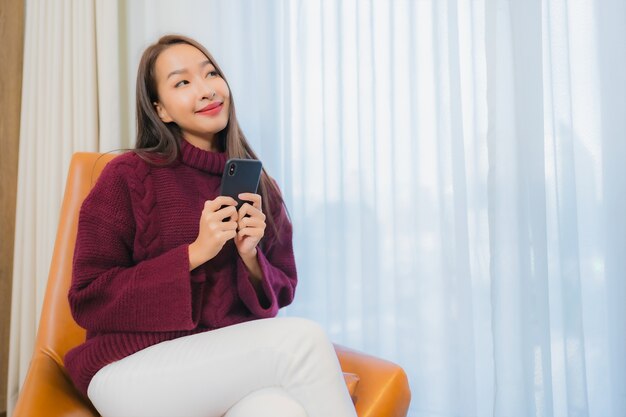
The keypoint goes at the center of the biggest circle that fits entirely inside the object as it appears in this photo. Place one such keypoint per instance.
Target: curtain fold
(609, 262)
(517, 209)
(70, 103)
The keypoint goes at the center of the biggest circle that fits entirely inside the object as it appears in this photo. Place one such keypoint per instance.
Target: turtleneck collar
(211, 162)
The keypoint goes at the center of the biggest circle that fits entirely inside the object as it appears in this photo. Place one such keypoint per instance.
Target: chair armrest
(383, 389)
(47, 391)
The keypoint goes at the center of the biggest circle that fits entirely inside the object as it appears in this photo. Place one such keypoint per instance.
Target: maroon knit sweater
(131, 285)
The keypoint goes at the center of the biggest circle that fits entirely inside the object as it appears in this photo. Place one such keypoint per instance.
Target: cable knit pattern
(131, 285)
(142, 190)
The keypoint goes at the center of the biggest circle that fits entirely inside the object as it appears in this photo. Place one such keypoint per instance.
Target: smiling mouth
(209, 107)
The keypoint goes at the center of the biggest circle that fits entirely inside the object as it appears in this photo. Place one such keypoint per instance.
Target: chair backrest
(58, 332)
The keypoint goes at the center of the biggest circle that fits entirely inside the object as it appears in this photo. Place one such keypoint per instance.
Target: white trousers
(279, 367)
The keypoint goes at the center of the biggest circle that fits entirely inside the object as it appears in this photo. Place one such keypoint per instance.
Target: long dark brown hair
(158, 143)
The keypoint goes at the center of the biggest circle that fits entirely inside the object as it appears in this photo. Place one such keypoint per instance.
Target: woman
(177, 286)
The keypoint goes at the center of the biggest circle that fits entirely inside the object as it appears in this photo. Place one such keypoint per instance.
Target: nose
(206, 90)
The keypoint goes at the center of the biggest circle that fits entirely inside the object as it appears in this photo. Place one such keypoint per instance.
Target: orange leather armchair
(379, 388)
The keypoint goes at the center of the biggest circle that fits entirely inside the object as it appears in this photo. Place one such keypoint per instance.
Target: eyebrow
(185, 70)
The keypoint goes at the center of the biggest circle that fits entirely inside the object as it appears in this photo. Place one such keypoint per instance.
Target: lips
(211, 108)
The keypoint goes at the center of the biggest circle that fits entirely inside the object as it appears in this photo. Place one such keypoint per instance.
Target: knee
(308, 332)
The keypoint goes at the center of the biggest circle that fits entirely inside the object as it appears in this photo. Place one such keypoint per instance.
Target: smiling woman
(177, 286)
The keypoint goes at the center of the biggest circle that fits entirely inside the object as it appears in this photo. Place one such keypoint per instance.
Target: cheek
(180, 102)
(226, 96)
(222, 87)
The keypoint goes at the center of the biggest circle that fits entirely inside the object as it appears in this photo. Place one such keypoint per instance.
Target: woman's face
(191, 94)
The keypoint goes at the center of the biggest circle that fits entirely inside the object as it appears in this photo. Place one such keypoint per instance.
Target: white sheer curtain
(70, 103)
(454, 171)
(556, 105)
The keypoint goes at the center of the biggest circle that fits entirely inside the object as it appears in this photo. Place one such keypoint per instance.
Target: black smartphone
(240, 176)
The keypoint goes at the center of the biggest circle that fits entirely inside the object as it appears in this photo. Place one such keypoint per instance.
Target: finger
(255, 199)
(251, 231)
(225, 213)
(252, 222)
(247, 209)
(218, 202)
(227, 235)
(230, 225)
(244, 210)
(216, 227)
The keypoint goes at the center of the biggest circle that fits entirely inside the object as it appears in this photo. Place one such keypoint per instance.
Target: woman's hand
(251, 226)
(213, 231)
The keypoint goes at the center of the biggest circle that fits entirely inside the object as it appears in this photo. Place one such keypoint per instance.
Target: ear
(162, 113)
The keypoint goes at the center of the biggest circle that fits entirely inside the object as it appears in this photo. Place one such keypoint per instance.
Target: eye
(180, 83)
(212, 74)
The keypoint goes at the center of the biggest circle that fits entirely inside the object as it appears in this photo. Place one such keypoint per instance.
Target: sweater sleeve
(279, 272)
(110, 292)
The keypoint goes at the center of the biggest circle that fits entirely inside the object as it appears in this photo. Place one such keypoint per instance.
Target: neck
(205, 143)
